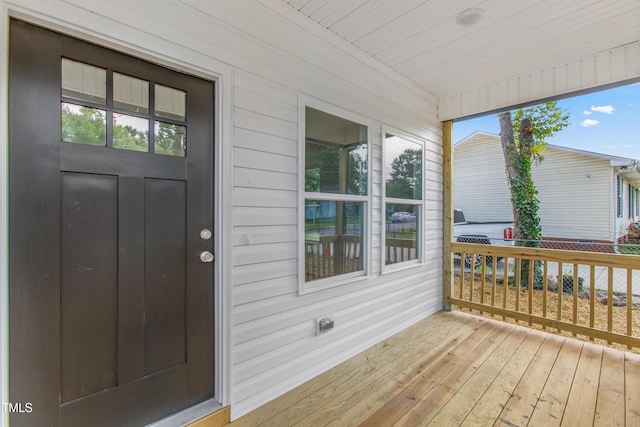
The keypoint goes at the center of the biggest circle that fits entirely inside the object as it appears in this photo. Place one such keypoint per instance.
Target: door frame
(159, 52)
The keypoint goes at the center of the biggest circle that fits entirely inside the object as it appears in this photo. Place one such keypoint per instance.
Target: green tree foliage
(84, 125)
(523, 141)
(406, 175)
(323, 163)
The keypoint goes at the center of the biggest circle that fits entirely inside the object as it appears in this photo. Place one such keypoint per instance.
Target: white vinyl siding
(480, 185)
(575, 196)
(576, 191)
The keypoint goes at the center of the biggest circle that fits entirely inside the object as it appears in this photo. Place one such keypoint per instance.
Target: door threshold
(190, 415)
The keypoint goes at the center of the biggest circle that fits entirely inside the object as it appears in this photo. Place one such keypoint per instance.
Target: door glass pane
(130, 93)
(401, 233)
(83, 125)
(130, 133)
(333, 238)
(170, 103)
(84, 82)
(170, 139)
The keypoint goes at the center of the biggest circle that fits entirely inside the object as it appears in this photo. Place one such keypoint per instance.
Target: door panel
(165, 243)
(111, 310)
(89, 284)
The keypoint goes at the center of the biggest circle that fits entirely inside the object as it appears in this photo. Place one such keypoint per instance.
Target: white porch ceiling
(421, 40)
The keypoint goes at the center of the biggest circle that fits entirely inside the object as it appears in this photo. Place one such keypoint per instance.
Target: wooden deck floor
(458, 369)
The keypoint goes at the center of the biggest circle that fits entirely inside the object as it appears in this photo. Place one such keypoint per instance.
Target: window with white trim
(336, 181)
(403, 199)
(619, 195)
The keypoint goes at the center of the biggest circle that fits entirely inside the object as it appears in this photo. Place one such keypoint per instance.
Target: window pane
(170, 139)
(403, 168)
(83, 125)
(401, 233)
(333, 238)
(130, 93)
(335, 154)
(170, 103)
(84, 82)
(130, 133)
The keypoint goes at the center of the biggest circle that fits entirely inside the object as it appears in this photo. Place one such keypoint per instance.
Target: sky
(605, 122)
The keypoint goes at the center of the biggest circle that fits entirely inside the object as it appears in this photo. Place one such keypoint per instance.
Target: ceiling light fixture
(469, 16)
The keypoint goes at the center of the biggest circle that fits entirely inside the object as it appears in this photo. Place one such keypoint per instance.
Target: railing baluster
(530, 291)
(505, 284)
(494, 279)
(483, 272)
(576, 288)
(560, 291)
(592, 298)
(472, 275)
(610, 302)
(463, 257)
(544, 290)
(629, 304)
(518, 283)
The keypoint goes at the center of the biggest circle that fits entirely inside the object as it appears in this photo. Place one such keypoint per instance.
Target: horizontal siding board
(264, 271)
(263, 289)
(259, 216)
(264, 161)
(254, 254)
(257, 122)
(244, 196)
(262, 142)
(248, 235)
(253, 178)
(269, 107)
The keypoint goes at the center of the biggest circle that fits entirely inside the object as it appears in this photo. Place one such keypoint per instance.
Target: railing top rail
(556, 255)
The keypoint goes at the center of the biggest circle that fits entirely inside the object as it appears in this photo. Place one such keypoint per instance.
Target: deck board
(454, 369)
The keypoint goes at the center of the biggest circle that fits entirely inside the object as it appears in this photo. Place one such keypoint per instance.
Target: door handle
(206, 256)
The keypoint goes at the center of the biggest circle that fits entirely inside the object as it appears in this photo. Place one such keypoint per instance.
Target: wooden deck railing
(585, 293)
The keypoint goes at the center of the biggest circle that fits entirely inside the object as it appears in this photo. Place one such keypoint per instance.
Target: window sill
(331, 282)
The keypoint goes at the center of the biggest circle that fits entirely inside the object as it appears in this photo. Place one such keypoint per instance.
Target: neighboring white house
(243, 218)
(583, 195)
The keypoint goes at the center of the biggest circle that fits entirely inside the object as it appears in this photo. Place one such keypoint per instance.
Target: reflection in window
(170, 139)
(401, 233)
(130, 133)
(83, 125)
(403, 168)
(336, 163)
(130, 93)
(333, 238)
(84, 82)
(170, 103)
(403, 178)
(335, 154)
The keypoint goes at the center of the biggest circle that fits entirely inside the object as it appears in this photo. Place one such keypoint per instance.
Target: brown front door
(110, 187)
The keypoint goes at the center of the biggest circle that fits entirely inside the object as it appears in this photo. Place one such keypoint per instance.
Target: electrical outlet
(324, 324)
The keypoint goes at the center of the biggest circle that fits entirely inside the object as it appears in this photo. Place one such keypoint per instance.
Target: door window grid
(108, 109)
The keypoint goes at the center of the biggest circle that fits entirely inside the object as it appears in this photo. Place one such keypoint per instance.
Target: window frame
(419, 203)
(619, 197)
(305, 287)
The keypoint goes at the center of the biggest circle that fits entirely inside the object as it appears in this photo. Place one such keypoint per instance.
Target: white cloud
(607, 109)
(587, 123)
(586, 113)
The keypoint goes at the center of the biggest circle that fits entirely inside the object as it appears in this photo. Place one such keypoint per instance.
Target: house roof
(626, 167)
(424, 41)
